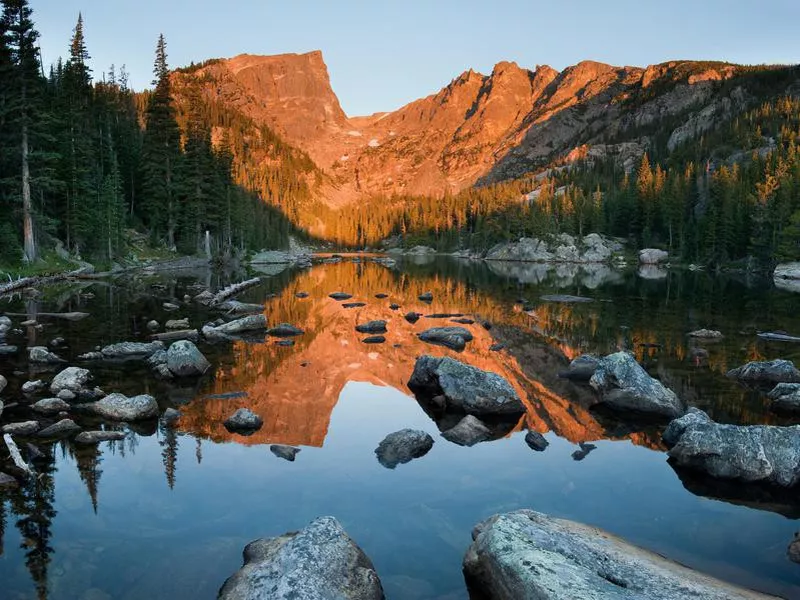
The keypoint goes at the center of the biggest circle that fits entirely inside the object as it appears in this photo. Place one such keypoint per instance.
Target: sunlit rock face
(295, 389)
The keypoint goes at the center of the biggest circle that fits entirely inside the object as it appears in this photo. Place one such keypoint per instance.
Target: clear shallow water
(174, 509)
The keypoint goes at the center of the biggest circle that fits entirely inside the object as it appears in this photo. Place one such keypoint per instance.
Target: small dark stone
(301, 295)
(354, 304)
(536, 441)
(284, 343)
(372, 327)
(394, 306)
(426, 297)
(403, 446)
(381, 296)
(463, 321)
(244, 421)
(284, 330)
(374, 339)
(496, 347)
(340, 296)
(584, 451)
(412, 317)
(486, 325)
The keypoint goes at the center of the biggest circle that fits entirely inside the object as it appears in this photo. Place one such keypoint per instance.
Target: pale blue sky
(382, 54)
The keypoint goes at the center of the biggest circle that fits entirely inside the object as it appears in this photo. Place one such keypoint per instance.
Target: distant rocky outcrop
(564, 248)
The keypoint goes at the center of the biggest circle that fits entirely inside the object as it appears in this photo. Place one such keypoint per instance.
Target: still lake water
(166, 513)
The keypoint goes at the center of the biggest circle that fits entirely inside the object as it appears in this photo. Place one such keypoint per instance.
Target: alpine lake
(165, 512)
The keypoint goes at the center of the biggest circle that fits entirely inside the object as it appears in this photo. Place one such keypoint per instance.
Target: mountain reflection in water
(165, 512)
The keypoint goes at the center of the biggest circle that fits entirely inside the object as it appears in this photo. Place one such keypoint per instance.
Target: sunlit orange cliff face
(294, 389)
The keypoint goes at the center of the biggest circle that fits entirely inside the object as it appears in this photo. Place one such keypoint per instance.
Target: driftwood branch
(16, 456)
(232, 290)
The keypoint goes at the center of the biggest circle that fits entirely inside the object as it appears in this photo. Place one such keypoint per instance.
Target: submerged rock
(403, 446)
(455, 338)
(426, 297)
(284, 330)
(785, 397)
(319, 562)
(185, 360)
(581, 368)
(131, 349)
(63, 429)
(772, 371)
(374, 339)
(372, 327)
(353, 304)
(118, 407)
(243, 421)
(527, 555)
(284, 343)
(469, 431)
(767, 454)
(625, 386)
(464, 387)
(41, 355)
(88, 438)
(536, 441)
(566, 299)
(285, 452)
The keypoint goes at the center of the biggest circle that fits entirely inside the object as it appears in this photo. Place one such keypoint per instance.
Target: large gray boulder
(625, 386)
(185, 360)
(785, 397)
(771, 371)
(581, 368)
(527, 555)
(319, 562)
(118, 407)
(464, 387)
(403, 446)
(749, 453)
(526, 249)
(455, 338)
(73, 379)
(124, 350)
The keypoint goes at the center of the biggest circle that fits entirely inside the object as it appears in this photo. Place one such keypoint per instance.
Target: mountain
(478, 128)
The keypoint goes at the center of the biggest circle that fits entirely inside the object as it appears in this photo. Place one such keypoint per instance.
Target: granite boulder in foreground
(764, 454)
(319, 562)
(464, 387)
(527, 555)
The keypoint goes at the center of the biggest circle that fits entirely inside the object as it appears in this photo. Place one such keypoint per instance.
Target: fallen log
(68, 316)
(26, 282)
(16, 456)
(233, 290)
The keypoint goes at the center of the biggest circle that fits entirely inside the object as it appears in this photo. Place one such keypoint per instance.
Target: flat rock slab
(118, 407)
(319, 562)
(340, 296)
(284, 330)
(565, 298)
(374, 339)
(455, 338)
(131, 349)
(403, 446)
(63, 429)
(88, 438)
(23, 428)
(372, 327)
(527, 555)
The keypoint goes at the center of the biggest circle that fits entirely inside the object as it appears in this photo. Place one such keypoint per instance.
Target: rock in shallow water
(402, 446)
(118, 407)
(374, 339)
(319, 562)
(527, 555)
(285, 452)
(284, 330)
(767, 454)
(464, 387)
(124, 350)
(50, 406)
(63, 429)
(185, 360)
(772, 371)
(455, 338)
(41, 355)
(87, 438)
(23, 428)
(340, 296)
(244, 421)
(785, 397)
(536, 441)
(72, 378)
(625, 386)
(372, 327)
(3, 383)
(581, 368)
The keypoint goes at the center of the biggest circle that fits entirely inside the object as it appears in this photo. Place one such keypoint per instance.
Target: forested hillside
(83, 159)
